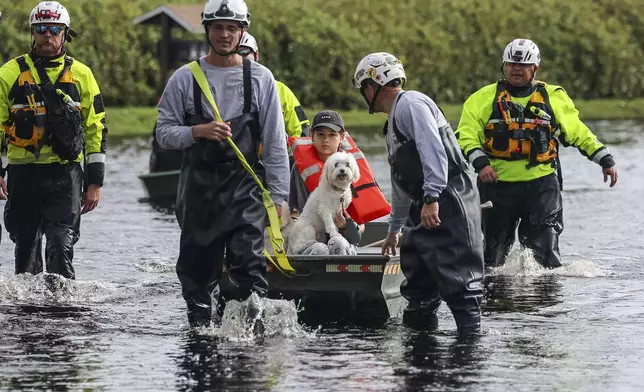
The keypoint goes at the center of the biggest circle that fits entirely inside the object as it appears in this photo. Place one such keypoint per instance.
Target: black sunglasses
(54, 30)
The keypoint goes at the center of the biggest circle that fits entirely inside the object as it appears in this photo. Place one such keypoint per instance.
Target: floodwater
(122, 326)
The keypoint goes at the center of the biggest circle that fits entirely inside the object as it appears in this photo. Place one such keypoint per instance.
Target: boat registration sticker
(378, 268)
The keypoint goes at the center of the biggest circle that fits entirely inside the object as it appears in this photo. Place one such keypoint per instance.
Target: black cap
(329, 119)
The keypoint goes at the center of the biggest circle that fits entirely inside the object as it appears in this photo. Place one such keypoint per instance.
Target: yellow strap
(275, 234)
(31, 100)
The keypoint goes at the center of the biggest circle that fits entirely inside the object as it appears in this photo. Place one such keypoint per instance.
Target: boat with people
(332, 288)
(326, 288)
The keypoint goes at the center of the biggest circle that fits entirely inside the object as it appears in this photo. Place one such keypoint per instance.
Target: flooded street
(122, 325)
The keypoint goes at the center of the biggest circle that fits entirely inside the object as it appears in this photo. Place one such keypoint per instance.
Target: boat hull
(161, 186)
(334, 288)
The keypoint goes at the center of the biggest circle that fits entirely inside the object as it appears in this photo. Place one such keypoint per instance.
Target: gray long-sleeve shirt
(418, 118)
(227, 88)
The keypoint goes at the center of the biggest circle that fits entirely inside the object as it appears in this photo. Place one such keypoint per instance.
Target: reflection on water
(206, 365)
(434, 364)
(122, 325)
(506, 294)
(48, 348)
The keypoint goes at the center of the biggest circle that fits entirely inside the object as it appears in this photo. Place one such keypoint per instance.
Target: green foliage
(136, 121)
(450, 48)
(122, 56)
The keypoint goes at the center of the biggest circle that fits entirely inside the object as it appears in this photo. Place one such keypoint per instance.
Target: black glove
(480, 162)
(607, 162)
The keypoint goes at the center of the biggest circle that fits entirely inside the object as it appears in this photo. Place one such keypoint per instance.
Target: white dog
(325, 202)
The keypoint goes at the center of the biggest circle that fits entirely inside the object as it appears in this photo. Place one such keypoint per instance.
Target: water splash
(521, 262)
(554, 311)
(258, 318)
(581, 269)
(156, 266)
(47, 288)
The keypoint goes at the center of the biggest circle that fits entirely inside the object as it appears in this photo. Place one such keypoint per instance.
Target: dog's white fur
(334, 193)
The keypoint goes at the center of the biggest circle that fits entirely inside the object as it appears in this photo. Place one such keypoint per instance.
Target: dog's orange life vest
(368, 202)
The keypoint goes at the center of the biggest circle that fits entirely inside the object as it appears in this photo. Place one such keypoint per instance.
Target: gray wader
(220, 212)
(446, 262)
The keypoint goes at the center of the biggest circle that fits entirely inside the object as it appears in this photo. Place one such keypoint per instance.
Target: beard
(48, 48)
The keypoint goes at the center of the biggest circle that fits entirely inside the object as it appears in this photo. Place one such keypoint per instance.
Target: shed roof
(186, 16)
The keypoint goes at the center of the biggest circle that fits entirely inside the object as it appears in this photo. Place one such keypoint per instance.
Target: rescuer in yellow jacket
(295, 120)
(53, 119)
(510, 132)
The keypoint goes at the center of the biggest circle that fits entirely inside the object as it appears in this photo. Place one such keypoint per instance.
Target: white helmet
(249, 42)
(522, 51)
(49, 12)
(233, 10)
(381, 67)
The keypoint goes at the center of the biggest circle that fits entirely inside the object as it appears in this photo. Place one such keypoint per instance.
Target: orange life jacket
(515, 133)
(368, 201)
(28, 113)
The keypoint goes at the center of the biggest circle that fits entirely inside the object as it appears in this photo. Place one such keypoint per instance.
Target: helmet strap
(232, 52)
(373, 101)
(505, 77)
(534, 74)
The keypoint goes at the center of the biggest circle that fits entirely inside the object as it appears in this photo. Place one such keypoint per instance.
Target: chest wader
(45, 199)
(220, 212)
(445, 262)
(536, 208)
(528, 134)
(162, 159)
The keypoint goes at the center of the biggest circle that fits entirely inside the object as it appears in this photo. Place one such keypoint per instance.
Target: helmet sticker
(391, 60)
(46, 14)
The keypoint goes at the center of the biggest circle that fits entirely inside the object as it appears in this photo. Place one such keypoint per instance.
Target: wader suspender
(401, 138)
(248, 85)
(275, 234)
(248, 91)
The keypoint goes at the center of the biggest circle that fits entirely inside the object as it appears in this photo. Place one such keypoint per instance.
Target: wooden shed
(174, 52)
